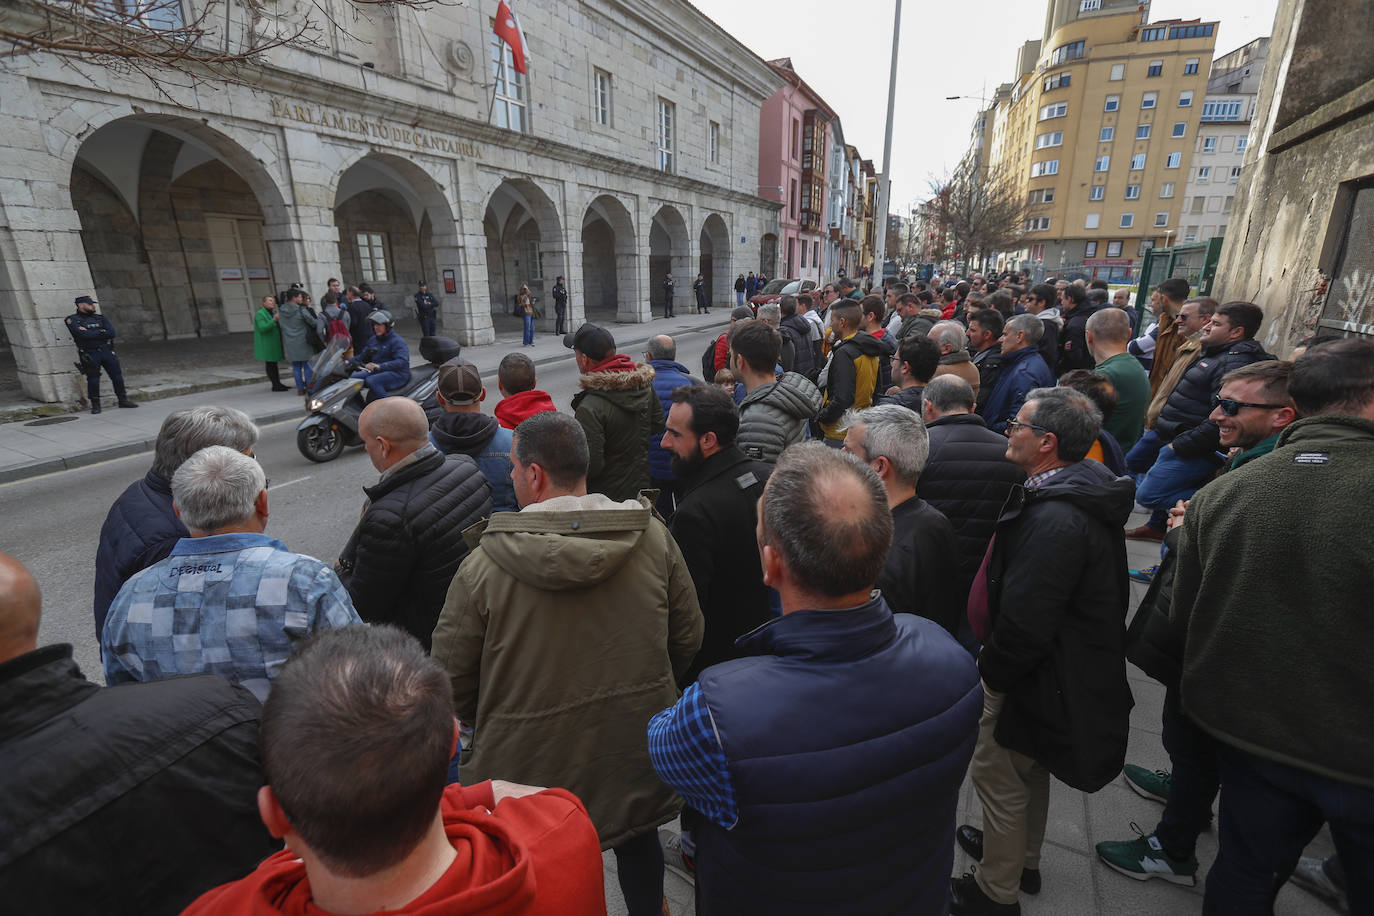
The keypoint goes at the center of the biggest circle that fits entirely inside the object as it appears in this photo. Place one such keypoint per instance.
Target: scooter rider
(385, 359)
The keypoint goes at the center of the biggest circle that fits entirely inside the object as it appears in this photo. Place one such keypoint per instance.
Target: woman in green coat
(267, 341)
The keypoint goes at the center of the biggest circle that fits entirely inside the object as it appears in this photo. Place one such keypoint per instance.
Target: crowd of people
(793, 607)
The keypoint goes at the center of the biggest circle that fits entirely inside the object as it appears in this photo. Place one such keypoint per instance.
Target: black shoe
(970, 840)
(127, 403)
(95, 407)
(280, 388)
(966, 898)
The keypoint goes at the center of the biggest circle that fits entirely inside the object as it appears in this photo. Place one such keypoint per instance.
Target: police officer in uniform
(426, 308)
(668, 287)
(94, 336)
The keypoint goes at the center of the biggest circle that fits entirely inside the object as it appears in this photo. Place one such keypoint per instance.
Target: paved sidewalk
(73, 440)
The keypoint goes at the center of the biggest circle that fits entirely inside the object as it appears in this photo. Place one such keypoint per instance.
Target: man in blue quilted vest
(827, 762)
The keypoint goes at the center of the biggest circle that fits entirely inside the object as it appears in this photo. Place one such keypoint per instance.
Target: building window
(1171, 161)
(1057, 81)
(1090, 249)
(1148, 99)
(1132, 191)
(1137, 162)
(713, 141)
(1204, 174)
(1199, 204)
(1113, 249)
(1144, 246)
(1180, 129)
(803, 254)
(1235, 174)
(1038, 224)
(792, 209)
(1106, 135)
(535, 265)
(1152, 34)
(816, 254)
(1166, 190)
(1054, 138)
(1091, 220)
(1118, 72)
(1161, 220)
(1190, 66)
(1185, 99)
(1192, 31)
(796, 139)
(667, 134)
(1047, 195)
(509, 105)
(1071, 51)
(1226, 205)
(1190, 233)
(1209, 144)
(1088, 6)
(1096, 192)
(1221, 110)
(1112, 104)
(372, 256)
(1242, 143)
(1049, 167)
(1142, 132)
(1127, 220)
(601, 97)
(1102, 164)
(1057, 110)
(1156, 68)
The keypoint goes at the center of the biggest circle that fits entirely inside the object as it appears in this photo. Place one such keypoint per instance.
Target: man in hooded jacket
(618, 410)
(850, 379)
(775, 410)
(462, 429)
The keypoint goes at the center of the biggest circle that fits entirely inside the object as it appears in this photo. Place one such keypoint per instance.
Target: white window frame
(1051, 138)
(1209, 144)
(1166, 190)
(1180, 130)
(1242, 144)
(1102, 163)
(1149, 100)
(1185, 99)
(1172, 160)
(1155, 68)
(1097, 192)
(1132, 192)
(1190, 66)
(1112, 103)
(510, 106)
(1047, 195)
(713, 142)
(601, 97)
(1054, 110)
(1092, 220)
(1106, 135)
(1235, 174)
(1128, 221)
(1048, 167)
(1118, 73)
(534, 264)
(1137, 162)
(1161, 220)
(1142, 131)
(372, 257)
(1204, 174)
(666, 134)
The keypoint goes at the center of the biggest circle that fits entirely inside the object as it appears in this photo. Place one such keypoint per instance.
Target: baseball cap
(460, 382)
(591, 341)
(87, 299)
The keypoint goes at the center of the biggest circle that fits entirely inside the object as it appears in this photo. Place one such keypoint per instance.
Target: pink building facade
(794, 146)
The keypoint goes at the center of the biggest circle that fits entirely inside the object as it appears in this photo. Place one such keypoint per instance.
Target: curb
(125, 449)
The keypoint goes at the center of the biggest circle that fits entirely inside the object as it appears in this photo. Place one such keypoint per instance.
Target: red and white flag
(507, 28)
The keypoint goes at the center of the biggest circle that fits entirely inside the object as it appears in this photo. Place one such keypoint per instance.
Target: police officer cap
(86, 299)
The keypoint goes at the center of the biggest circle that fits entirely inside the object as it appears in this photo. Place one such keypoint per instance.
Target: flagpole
(885, 187)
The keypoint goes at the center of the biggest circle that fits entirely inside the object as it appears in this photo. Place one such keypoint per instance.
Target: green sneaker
(1143, 858)
(1151, 784)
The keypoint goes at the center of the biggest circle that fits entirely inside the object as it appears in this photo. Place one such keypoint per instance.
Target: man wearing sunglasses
(1189, 457)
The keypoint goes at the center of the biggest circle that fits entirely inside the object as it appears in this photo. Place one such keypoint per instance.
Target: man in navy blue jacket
(385, 361)
(867, 801)
(1022, 369)
(669, 374)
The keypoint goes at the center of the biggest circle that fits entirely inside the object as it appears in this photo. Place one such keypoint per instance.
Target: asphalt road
(52, 523)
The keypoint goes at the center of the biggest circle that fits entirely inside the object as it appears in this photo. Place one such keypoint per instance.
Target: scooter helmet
(382, 316)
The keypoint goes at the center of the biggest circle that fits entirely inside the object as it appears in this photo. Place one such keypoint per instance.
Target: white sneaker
(677, 861)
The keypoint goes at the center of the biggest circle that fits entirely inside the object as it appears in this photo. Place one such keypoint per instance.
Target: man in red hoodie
(356, 739)
(520, 400)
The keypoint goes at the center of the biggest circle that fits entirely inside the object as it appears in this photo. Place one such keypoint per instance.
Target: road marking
(287, 483)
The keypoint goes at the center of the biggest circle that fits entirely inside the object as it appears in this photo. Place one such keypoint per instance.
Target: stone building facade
(404, 147)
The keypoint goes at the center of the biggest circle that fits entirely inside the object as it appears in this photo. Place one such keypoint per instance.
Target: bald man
(1107, 333)
(83, 769)
(399, 561)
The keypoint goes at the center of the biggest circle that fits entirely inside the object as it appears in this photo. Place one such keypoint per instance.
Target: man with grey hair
(952, 340)
(1107, 332)
(1049, 604)
(872, 801)
(919, 576)
(141, 527)
(1022, 369)
(229, 600)
(771, 315)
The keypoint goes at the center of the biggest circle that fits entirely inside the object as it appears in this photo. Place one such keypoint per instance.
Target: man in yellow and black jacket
(850, 381)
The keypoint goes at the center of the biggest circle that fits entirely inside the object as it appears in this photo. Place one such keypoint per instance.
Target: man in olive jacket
(564, 631)
(619, 411)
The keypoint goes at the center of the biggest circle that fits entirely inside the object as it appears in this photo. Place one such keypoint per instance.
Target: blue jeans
(300, 371)
(739, 297)
(379, 383)
(1194, 783)
(529, 329)
(1172, 478)
(1269, 813)
(1139, 460)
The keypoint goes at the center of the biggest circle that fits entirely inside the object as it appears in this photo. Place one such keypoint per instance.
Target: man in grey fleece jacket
(775, 410)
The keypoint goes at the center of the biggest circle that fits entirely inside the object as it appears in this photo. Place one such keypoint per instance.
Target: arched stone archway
(525, 245)
(396, 228)
(714, 261)
(670, 251)
(610, 262)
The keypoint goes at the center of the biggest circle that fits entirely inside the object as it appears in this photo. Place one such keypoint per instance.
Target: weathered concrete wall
(1308, 143)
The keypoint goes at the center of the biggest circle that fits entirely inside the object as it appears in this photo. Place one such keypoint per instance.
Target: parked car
(776, 289)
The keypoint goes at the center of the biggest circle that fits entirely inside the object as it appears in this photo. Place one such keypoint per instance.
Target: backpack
(315, 330)
(708, 359)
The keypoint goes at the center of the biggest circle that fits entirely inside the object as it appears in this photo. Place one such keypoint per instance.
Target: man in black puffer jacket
(399, 561)
(1189, 459)
(967, 476)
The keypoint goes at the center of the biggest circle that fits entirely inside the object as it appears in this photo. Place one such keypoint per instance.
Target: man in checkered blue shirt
(229, 600)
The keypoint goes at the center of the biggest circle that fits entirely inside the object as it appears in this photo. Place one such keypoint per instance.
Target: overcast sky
(949, 47)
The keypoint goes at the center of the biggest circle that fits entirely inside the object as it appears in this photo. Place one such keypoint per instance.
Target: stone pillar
(306, 242)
